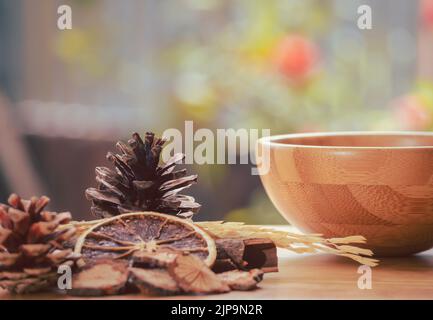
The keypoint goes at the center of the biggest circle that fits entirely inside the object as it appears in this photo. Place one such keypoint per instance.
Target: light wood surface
(379, 185)
(321, 276)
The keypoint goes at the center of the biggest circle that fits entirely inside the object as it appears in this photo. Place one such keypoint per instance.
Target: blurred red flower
(411, 113)
(426, 12)
(296, 57)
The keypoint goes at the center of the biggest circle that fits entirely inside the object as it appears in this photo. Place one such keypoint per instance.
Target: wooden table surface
(321, 276)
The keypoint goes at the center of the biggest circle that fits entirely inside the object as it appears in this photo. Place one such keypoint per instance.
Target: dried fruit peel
(172, 233)
(153, 282)
(159, 259)
(193, 276)
(104, 278)
(242, 280)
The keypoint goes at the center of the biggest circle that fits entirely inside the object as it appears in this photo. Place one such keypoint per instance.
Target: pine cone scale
(5, 235)
(37, 271)
(20, 221)
(102, 195)
(8, 259)
(178, 183)
(34, 250)
(178, 157)
(15, 202)
(41, 203)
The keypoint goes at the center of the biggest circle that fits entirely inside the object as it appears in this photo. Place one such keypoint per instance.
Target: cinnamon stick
(246, 254)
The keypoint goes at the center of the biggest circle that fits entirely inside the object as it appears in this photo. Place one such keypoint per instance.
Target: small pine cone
(140, 183)
(31, 244)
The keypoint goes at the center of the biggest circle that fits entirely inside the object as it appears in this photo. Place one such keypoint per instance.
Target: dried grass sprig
(299, 243)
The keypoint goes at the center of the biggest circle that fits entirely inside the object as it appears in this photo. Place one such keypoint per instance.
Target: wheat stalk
(299, 243)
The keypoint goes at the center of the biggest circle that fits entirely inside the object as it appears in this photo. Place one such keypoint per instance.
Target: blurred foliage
(264, 69)
(414, 111)
(83, 49)
(279, 64)
(260, 211)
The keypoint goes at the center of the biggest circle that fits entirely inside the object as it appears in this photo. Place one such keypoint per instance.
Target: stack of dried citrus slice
(152, 253)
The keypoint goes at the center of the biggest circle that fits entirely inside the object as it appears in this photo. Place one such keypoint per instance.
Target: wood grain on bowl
(379, 185)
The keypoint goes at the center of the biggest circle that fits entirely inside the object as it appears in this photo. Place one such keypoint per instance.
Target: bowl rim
(272, 141)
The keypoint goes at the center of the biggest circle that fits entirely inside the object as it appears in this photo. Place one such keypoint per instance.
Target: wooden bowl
(375, 184)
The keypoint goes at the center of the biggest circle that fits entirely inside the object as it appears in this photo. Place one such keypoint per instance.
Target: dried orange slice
(121, 236)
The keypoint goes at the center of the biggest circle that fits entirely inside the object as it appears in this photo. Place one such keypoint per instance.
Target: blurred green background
(134, 65)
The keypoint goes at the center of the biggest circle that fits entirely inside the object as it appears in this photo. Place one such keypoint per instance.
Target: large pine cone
(139, 183)
(31, 244)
